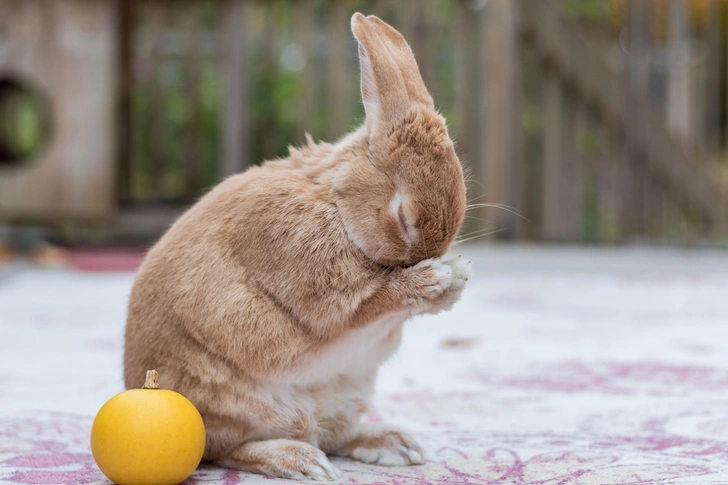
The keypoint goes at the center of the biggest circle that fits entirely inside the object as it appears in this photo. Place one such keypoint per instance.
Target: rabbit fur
(271, 302)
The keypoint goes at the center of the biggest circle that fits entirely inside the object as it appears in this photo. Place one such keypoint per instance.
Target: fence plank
(570, 173)
(340, 78)
(234, 120)
(608, 194)
(532, 185)
(713, 90)
(124, 114)
(155, 17)
(304, 26)
(191, 31)
(587, 149)
(654, 207)
(681, 120)
(553, 139)
(472, 108)
(503, 137)
(638, 61)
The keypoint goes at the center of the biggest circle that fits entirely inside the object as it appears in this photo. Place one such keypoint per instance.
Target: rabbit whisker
(460, 241)
(504, 207)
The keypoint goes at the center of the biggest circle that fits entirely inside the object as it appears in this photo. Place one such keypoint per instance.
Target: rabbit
(271, 303)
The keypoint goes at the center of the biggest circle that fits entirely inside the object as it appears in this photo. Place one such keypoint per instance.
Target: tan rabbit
(271, 303)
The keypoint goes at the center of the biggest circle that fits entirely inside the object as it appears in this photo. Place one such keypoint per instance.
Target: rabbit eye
(409, 233)
(407, 230)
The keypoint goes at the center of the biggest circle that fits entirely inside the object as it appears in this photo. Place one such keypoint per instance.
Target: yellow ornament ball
(148, 436)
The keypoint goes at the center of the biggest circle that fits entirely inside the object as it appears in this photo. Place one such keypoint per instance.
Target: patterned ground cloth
(560, 366)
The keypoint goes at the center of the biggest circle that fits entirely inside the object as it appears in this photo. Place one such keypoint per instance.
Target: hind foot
(282, 459)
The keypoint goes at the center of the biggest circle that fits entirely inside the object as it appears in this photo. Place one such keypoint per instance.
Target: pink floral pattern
(53, 449)
(609, 377)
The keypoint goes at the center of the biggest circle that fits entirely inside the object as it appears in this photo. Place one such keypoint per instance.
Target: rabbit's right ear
(383, 89)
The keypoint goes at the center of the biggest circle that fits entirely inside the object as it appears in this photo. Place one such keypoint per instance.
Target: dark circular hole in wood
(25, 122)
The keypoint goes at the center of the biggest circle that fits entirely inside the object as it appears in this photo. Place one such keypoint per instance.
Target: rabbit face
(405, 200)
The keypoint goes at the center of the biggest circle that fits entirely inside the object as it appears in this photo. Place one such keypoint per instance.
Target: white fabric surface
(574, 366)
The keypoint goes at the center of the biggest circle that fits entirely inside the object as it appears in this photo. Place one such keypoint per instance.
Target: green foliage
(588, 141)
(24, 121)
(587, 9)
(532, 119)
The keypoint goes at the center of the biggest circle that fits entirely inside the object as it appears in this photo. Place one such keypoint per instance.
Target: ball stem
(152, 381)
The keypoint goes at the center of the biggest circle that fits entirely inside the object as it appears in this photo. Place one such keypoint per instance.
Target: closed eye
(409, 233)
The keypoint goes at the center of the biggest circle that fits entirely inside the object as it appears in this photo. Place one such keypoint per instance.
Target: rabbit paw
(434, 285)
(282, 459)
(384, 446)
(461, 272)
(426, 281)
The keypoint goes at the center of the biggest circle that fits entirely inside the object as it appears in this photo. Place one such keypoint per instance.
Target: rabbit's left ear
(404, 58)
(390, 79)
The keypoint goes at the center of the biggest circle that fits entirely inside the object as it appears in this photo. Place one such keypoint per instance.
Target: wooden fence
(590, 120)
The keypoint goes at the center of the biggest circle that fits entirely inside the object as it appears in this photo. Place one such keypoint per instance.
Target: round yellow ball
(148, 437)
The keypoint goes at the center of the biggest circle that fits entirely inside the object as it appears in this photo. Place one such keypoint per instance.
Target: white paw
(443, 273)
(385, 447)
(321, 470)
(401, 456)
(431, 278)
(283, 459)
(462, 270)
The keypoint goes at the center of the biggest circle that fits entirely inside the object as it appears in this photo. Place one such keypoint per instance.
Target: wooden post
(341, 81)
(190, 26)
(714, 47)
(156, 23)
(560, 164)
(680, 108)
(608, 194)
(632, 212)
(570, 172)
(503, 136)
(234, 120)
(304, 25)
(532, 144)
(725, 88)
(553, 139)
(472, 108)
(124, 131)
(654, 207)
(588, 146)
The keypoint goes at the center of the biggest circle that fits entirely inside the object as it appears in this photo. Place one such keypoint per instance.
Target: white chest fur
(355, 353)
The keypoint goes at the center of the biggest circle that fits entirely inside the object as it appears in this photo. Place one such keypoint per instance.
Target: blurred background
(590, 346)
(580, 121)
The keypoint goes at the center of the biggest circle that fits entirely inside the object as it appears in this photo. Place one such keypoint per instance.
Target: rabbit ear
(383, 89)
(404, 59)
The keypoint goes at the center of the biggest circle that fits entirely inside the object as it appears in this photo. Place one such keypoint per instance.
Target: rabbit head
(402, 195)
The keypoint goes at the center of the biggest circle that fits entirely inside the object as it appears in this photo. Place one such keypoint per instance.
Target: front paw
(426, 281)
(461, 272)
